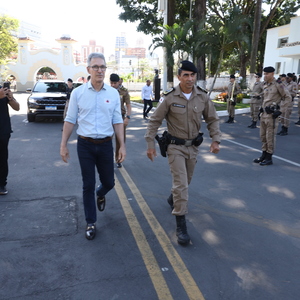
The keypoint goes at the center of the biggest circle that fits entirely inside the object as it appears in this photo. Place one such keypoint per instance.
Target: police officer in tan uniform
(256, 100)
(233, 90)
(183, 108)
(274, 92)
(116, 83)
(292, 87)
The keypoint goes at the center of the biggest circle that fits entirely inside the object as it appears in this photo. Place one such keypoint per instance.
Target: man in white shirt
(147, 96)
(95, 106)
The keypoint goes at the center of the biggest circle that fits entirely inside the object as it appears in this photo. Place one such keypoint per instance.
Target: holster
(163, 143)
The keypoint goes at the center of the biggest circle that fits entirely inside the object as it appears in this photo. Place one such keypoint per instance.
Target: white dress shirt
(95, 112)
(147, 92)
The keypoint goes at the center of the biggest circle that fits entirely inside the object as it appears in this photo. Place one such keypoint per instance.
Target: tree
(8, 43)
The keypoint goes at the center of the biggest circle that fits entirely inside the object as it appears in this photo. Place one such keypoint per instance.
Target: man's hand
(214, 147)
(64, 153)
(122, 154)
(151, 153)
(126, 121)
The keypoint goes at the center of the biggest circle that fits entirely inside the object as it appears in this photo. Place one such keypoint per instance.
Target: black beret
(258, 75)
(269, 69)
(290, 75)
(69, 79)
(114, 77)
(283, 75)
(232, 76)
(188, 66)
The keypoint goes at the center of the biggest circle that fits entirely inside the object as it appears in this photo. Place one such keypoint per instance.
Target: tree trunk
(255, 36)
(199, 16)
(217, 71)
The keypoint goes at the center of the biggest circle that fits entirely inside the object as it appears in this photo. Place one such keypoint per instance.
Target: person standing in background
(233, 90)
(147, 96)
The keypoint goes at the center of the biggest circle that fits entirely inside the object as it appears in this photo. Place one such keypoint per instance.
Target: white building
(283, 48)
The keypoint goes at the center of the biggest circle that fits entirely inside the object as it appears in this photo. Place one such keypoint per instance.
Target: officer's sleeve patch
(161, 99)
(169, 91)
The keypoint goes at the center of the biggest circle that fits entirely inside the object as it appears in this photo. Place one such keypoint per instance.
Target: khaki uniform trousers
(231, 108)
(286, 112)
(254, 109)
(268, 129)
(182, 161)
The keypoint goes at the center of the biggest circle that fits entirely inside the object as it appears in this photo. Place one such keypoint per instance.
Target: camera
(6, 85)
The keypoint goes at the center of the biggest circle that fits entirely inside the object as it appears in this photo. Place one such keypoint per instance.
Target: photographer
(6, 97)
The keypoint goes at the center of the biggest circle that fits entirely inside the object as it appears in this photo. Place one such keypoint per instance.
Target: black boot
(170, 201)
(298, 123)
(260, 159)
(229, 120)
(268, 160)
(232, 120)
(181, 232)
(281, 131)
(253, 125)
(250, 126)
(284, 131)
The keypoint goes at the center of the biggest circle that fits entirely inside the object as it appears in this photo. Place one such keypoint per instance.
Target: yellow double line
(151, 264)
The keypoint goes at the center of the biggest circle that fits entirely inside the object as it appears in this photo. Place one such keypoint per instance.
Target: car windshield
(50, 87)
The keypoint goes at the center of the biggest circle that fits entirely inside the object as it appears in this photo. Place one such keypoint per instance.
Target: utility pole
(163, 7)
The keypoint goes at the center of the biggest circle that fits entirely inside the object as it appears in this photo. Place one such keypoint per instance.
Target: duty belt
(96, 141)
(177, 141)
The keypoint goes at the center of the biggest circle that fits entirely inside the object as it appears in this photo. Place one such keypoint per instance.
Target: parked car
(47, 99)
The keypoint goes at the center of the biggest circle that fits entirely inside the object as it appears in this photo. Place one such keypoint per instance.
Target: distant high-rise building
(120, 46)
(86, 50)
(138, 52)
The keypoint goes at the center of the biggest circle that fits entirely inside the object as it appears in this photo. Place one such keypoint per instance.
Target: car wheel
(30, 117)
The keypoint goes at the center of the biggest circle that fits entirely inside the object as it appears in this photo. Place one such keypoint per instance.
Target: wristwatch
(128, 117)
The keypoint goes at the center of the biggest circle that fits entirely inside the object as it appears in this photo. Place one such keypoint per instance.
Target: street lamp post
(163, 7)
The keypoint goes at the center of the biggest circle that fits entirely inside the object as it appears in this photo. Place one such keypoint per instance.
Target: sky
(82, 20)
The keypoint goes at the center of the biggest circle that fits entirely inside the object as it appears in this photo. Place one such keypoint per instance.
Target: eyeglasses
(96, 68)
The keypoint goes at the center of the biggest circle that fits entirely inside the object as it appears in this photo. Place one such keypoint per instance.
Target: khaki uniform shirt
(292, 87)
(124, 99)
(184, 117)
(258, 90)
(274, 92)
(237, 89)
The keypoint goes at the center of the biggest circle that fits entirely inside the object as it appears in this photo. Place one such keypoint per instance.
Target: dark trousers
(4, 140)
(90, 156)
(147, 102)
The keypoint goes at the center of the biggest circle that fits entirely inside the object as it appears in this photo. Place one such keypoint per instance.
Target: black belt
(96, 141)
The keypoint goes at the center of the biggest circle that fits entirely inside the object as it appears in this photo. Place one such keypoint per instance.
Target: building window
(277, 67)
(282, 42)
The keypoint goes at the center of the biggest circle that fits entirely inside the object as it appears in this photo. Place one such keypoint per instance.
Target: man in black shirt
(6, 97)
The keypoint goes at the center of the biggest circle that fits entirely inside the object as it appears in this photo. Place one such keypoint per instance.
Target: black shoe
(284, 131)
(101, 203)
(3, 190)
(267, 161)
(260, 159)
(229, 120)
(183, 237)
(119, 165)
(298, 123)
(170, 201)
(90, 231)
(253, 125)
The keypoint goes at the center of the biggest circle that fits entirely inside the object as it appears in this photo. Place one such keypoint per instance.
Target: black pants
(4, 139)
(147, 102)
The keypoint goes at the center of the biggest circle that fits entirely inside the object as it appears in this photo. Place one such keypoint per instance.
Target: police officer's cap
(282, 75)
(232, 76)
(114, 77)
(269, 69)
(258, 75)
(290, 75)
(188, 66)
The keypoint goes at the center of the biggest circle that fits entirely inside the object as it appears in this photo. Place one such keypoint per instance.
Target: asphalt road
(243, 221)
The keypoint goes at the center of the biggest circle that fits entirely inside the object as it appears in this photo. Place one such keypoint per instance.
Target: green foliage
(8, 43)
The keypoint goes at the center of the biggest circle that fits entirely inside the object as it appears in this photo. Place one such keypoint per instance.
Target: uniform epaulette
(168, 91)
(123, 88)
(202, 89)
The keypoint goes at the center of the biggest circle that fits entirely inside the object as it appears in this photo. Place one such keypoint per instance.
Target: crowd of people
(102, 111)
